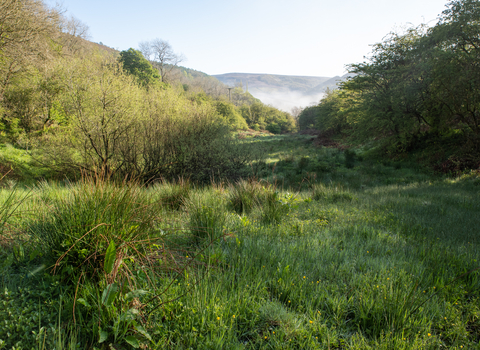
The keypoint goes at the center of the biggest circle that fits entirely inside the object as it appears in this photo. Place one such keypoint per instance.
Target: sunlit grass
(370, 257)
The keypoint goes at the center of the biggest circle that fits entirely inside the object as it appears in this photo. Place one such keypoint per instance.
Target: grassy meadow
(320, 248)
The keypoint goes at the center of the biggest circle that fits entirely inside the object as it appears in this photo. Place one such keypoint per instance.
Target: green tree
(232, 116)
(307, 118)
(28, 30)
(389, 87)
(102, 105)
(260, 116)
(452, 48)
(134, 63)
(335, 112)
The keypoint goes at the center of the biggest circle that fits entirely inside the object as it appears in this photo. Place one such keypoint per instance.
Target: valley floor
(316, 251)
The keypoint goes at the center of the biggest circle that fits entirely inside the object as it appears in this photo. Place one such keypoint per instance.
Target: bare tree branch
(162, 55)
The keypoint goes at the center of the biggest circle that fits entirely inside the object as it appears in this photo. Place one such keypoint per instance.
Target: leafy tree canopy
(137, 65)
(417, 85)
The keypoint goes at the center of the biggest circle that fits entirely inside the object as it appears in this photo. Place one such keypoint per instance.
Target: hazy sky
(296, 37)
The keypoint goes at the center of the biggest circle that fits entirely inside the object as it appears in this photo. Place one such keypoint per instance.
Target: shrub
(144, 134)
(183, 139)
(260, 168)
(303, 163)
(323, 166)
(350, 157)
(274, 128)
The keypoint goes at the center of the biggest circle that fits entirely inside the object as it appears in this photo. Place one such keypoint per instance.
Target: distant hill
(271, 82)
(283, 91)
(331, 83)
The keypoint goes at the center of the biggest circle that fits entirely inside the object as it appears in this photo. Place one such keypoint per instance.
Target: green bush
(182, 139)
(350, 157)
(323, 166)
(274, 128)
(145, 134)
(303, 164)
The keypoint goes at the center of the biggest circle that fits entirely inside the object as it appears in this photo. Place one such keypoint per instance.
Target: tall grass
(173, 194)
(207, 215)
(78, 229)
(245, 195)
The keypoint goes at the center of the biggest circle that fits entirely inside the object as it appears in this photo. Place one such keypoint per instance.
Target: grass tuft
(173, 195)
(207, 215)
(245, 195)
(75, 234)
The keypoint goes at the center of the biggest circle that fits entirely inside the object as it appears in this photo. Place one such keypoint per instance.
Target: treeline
(418, 87)
(81, 107)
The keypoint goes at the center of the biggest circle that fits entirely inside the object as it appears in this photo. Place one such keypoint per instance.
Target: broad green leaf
(130, 339)
(109, 294)
(36, 270)
(135, 294)
(83, 302)
(19, 252)
(34, 253)
(110, 256)
(143, 332)
(102, 336)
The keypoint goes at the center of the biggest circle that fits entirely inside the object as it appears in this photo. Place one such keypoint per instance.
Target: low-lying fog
(285, 101)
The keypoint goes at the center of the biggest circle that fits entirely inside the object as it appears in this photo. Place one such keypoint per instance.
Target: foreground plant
(114, 313)
(103, 233)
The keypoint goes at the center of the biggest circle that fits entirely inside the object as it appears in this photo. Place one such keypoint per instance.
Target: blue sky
(300, 37)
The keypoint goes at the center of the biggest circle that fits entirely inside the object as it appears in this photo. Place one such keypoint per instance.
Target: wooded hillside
(79, 107)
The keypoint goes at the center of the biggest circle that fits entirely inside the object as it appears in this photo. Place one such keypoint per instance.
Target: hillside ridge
(283, 91)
